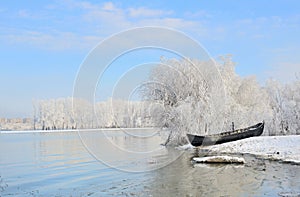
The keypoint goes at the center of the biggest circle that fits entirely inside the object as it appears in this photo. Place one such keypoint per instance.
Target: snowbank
(282, 148)
(219, 159)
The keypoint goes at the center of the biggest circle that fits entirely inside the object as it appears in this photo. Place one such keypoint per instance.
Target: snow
(185, 147)
(281, 148)
(219, 159)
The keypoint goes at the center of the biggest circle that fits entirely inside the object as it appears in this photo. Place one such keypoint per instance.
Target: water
(58, 164)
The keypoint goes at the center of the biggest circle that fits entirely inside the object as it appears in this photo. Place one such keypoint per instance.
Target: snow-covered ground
(282, 148)
(219, 159)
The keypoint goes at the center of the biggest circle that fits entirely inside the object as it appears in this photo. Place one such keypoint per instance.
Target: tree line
(185, 96)
(70, 113)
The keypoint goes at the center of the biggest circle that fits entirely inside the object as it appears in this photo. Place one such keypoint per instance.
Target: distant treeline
(68, 113)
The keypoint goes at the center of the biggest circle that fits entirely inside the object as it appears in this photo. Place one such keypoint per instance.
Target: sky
(43, 43)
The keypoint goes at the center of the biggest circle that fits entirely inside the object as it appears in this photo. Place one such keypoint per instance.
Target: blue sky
(43, 43)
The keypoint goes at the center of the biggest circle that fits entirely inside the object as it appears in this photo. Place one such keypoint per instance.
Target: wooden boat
(255, 130)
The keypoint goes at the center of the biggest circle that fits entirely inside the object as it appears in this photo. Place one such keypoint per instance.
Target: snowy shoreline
(279, 148)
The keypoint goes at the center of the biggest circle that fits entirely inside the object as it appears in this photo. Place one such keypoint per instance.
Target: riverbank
(281, 148)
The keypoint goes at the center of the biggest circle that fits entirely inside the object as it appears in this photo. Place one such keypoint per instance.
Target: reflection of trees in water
(57, 148)
(3, 185)
(126, 150)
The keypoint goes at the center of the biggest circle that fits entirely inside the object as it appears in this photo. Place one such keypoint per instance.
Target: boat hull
(239, 134)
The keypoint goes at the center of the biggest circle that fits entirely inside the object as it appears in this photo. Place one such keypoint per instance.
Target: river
(129, 163)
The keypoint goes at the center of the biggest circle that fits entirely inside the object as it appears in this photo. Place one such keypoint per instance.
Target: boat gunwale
(237, 131)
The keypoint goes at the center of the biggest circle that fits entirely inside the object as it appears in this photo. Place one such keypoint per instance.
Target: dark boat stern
(195, 140)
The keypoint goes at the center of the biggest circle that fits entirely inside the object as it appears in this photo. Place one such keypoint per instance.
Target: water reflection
(128, 153)
(255, 178)
(57, 164)
(184, 178)
(57, 149)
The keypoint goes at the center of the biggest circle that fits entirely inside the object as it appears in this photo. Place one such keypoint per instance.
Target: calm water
(131, 164)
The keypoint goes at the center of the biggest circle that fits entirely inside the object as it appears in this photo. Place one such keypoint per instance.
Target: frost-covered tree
(246, 101)
(188, 97)
(292, 107)
(285, 105)
(204, 97)
(68, 113)
(275, 92)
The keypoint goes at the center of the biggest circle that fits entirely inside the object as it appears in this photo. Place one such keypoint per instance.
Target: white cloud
(96, 21)
(56, 41)
(109, 6)
(200, 14)
(145, 12)
(72, 4)
(23, 13)
(176, 23)
(85, 6)
(285, 71)
(283, 63)
(265, 25)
